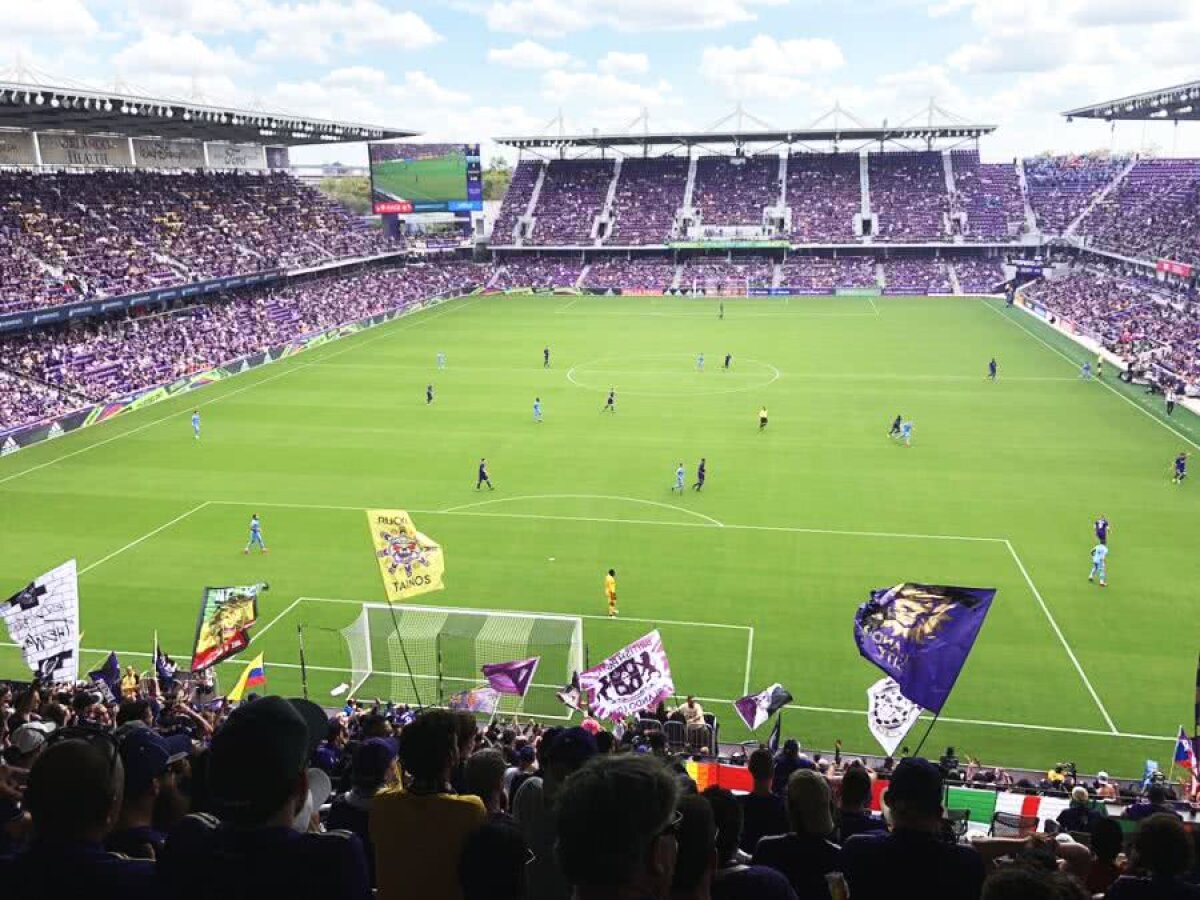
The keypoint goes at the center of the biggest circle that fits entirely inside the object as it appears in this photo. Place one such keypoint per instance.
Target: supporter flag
(1185, 754)
(569, 696)
(755, 709)
(890, 715)
(776, 732)
(636, 677)
(920, 635)
(410, 562)
(253, 676)
(109, 676)
(512, 677)
(43, 620)
(226, 614)
(483, 699)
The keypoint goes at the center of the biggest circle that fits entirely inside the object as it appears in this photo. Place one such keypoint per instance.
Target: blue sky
(470, 69)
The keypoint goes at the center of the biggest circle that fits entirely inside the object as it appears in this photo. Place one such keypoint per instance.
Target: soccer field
(755, 580)
(443, 178)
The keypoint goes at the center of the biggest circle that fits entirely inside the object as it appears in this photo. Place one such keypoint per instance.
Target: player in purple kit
(1180, 468)
(483, 476)
(1101, 526)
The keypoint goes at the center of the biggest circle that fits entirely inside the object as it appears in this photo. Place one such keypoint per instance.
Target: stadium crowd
(155, 790)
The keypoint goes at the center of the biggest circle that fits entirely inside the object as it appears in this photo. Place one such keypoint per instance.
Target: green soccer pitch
(443, 178)
(755, 580)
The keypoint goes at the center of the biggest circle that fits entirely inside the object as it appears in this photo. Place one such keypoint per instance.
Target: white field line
(1061, 638)
(671, 506)
(144, 537)
(271, 623)
(291, 370)
(1145, 412)
(873, 306)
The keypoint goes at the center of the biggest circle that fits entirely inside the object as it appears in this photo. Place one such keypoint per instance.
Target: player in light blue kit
(1085, 371)
(256, 538)
(441, 360)
(679, 478)
(906, 433)
(537, 409)
(700, 363)
(1099, 557)
(196, 424)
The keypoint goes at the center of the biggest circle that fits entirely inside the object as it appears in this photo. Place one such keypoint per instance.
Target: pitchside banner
(16, 149)
(635, 678)
(410, 562)
(149, 153)
(84, 150)
(236, 156)
(43, 620)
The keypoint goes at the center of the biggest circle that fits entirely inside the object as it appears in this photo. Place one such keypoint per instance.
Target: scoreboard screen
(420, 178)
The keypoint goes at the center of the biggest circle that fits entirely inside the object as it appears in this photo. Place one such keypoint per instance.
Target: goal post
(425, 654)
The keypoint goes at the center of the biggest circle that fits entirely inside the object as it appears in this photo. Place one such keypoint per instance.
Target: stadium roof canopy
(737, 137)
(39, 107)
(1181, 102)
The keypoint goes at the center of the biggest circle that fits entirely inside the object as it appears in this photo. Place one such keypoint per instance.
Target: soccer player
(1099, 555)
(610, 405)
(546, 357)
(1099, 366)
(895, 429)
(1101, 527)
(701, 472)
(537, 409)
(1170, 398)
(700, 363)
(610, 591)
(1180, 468)
(256, 538)
(483, 476)
(762, 418)
(679, 477)
(906, 433)
(728, 361)
(992, 369)
(1085, 371)
(441, 360)
(196, 424)
(721, 310)
(428, 394)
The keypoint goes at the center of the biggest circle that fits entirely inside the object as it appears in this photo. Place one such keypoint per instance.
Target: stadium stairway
(1031, 225)
(1100, 196)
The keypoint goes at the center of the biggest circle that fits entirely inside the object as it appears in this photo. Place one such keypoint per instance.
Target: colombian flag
(253, 676)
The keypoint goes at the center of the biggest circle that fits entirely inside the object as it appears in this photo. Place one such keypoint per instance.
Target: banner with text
(43, 620)
(411, 563)
(236, 156)
(16, 149)
(635, 678)
(83, 150)
(149, 153)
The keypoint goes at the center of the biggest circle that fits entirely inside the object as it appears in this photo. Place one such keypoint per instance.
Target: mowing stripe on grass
(690, 512)
(144, 537)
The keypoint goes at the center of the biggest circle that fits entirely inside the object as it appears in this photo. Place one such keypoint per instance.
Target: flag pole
(303, 665)
(925, 737)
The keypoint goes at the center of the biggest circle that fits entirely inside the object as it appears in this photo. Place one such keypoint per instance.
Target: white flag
(634, 678)
(890, 715)
(43, 620)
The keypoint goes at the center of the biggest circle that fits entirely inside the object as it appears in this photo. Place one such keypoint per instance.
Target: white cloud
(559, 17)
(559, 86)
(528, 55)
(157, 53)
(768, 67)
(421, 85)
(356, 77)
(616, 62)
(312, 32)
(63, 19)
(201, 16)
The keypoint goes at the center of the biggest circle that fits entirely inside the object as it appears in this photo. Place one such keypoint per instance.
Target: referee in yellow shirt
(610, 591)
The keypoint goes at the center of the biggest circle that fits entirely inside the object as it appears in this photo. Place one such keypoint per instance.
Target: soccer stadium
(704, 512)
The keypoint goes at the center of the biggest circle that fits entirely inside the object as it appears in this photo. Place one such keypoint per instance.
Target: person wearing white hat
(27, 742)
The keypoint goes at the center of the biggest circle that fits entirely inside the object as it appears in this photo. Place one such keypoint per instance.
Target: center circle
(672, 375)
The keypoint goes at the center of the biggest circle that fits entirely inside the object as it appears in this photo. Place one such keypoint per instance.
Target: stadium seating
(824, 275)
(1061, 187)
(978, 276)
(824, 194)
(634, 275)
(571, 197)
(649, 193)
(730, 277)
(516, 201)
(1151, 213)
(908, 195)
(735, 191)
(990, 196)
(916, 276)
(537, 272)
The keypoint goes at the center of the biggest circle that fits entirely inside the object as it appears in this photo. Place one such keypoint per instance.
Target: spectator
(468, 734)
(373, 768)
(535, 807)
(74, 797)
(1105, 789)
(418, 831)
(696, 860)
(259, 784)
(1162, 853)
(763, 811)
(618, 829)
(26, 743)
(734, 879)
(1079, 815)
(493, 863)
(786, 762)
(1154, 802)
(148, 759)
(525, 767)
(484, 778)
(912, 860)
(1021, 882)
(854, 809)
(805, 854)
(328, 755)
(1107, 842)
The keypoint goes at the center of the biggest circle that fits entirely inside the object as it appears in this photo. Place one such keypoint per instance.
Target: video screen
(419, 178)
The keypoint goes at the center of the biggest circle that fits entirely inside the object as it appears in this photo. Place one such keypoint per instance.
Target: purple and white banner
(481, 699)
(512, 677)
(755, 709)
(635, 678)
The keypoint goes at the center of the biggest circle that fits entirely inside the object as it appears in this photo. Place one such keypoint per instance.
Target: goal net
(425, 654)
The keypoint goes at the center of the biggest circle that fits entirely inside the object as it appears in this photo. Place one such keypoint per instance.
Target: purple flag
(634, 678)
(757, 708)
(477, 700)
(920, 635)
(512, 677)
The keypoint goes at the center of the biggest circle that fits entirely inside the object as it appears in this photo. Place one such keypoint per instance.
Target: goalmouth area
(753, 580)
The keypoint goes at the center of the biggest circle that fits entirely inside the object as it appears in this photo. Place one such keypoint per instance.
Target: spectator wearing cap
(763, 811)
(535, 806)
(259, 785)
(73, 796)
(418, 830)
(524, 768)
(805, 854)
(26, 743)
(148, 759)
(787, 761)
(734, 879)
(1161, 855)
(617, 829)
(1105, 788)
(912, 860)
(1108, 840)
(854, 804)
(373, 766)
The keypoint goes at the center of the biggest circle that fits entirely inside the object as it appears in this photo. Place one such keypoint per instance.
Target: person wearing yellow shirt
(610, 591)
(762, 418)
(418, 830)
